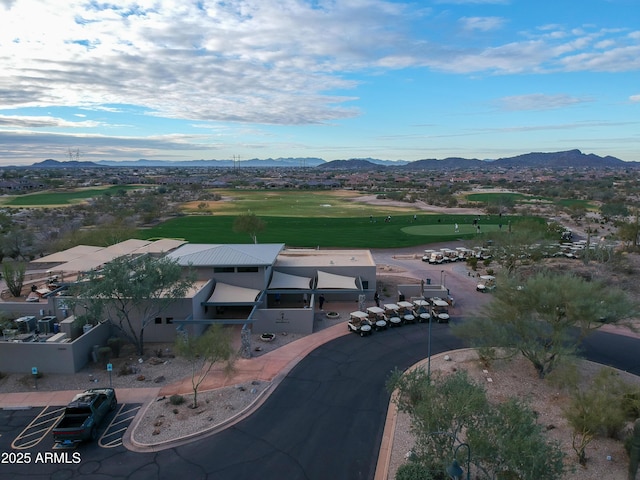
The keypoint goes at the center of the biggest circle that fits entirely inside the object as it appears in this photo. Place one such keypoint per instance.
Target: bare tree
(249, 223)
(203, 352)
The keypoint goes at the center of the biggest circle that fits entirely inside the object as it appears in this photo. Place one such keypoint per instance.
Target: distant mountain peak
(51, 163)
(563, 159)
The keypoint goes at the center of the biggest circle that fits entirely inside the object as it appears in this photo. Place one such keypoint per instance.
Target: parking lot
(30, 429)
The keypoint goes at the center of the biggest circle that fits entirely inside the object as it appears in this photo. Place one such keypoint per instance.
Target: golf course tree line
(184, 206)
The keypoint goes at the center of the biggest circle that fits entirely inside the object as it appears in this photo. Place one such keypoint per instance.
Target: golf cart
(427, 255)
(487, 283)
(439, 310)
(407, 312)
(359, 323)
(391, 312)
(422, 311)
(377, 318)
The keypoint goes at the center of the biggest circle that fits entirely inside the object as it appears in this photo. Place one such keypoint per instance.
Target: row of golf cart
(393, 315)
(459, 254)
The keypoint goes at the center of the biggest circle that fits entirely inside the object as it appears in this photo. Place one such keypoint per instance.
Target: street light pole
(429, 351)
(454, 469)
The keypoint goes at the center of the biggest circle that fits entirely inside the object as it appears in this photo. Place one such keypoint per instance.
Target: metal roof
(68, 254)
(211, 255)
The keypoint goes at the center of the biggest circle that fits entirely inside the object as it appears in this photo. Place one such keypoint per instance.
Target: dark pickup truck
(83, 415)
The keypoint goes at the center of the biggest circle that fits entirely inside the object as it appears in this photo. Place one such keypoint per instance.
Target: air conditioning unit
(26, 324)
(45, 325)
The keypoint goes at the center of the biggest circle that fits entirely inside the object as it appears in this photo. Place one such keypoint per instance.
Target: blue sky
(395, 80)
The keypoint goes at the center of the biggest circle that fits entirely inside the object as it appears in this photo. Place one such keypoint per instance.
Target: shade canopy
(232, 294)
(332, 281)
(285, 281)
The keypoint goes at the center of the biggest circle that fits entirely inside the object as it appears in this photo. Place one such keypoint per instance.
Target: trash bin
(56, 327)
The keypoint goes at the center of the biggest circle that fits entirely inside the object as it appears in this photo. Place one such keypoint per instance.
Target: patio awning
(332, 281)
(281, 280)
(232, 295)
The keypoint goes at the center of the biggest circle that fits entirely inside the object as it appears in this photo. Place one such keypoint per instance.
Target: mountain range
(569, 158)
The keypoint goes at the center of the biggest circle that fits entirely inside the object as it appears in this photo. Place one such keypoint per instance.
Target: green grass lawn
(495, 197)
(324, 232)
(295, 203)
(52, 198)
(519, 198)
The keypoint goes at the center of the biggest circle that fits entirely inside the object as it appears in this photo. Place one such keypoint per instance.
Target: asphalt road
(325, 420)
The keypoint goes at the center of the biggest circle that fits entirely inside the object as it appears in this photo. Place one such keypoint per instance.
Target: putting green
(447, 229)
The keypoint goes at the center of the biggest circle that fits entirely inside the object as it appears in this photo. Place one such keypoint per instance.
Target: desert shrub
(596, 411)
(176, 399)
(418, 471)
(126, 369)
(115, 343)
(565, 377)
(104, 354)
(631, 403)
(487, 356)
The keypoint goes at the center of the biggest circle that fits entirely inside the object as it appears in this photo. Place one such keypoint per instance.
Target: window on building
(223, 269)
(158, 320)
(247, 269)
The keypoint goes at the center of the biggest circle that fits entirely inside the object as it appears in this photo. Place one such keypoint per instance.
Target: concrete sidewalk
(269, 367)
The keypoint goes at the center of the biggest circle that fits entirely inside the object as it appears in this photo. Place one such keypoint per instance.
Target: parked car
(83, 416)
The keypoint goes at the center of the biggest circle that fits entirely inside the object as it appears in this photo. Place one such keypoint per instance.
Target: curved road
(326, 418)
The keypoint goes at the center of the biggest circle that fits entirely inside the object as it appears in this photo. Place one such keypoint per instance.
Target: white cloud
(268, 61)
(17, 122)
(484, 24)
(537, 101)
(635, 98)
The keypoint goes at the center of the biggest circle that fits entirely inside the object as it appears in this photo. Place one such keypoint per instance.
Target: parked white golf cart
(407, 312)
(377, 318)
(359, 323)
(439, 310)
(487, 283)
(391, 312)
(423, 310)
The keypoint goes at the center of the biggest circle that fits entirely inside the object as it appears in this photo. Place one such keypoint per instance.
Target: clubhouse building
(263, 287)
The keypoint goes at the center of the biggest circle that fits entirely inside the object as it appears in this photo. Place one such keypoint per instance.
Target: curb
(386, 447)
(130, 442)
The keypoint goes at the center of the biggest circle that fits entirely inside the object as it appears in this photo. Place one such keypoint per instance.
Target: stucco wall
(290, 320)
(21, 309)
(428, 291)
(50, 357)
